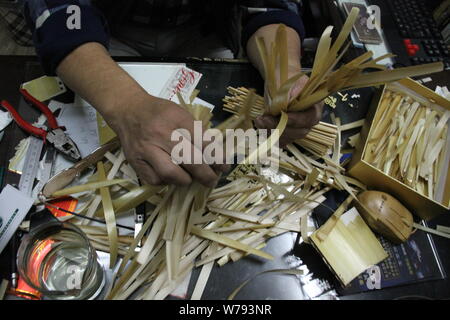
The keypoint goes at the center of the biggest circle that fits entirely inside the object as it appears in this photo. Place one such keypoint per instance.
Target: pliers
(56, 136)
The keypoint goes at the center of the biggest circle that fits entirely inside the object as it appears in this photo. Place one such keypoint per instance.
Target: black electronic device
(412, 32)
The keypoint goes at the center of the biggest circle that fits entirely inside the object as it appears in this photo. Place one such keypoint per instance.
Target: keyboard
(412, 32)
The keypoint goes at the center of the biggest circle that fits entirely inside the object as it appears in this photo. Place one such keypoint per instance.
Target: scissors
(55, 136)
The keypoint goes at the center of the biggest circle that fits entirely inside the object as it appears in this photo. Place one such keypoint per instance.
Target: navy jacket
(54, 40)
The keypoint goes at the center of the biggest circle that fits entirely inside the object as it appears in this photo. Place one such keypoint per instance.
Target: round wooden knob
(386, 215)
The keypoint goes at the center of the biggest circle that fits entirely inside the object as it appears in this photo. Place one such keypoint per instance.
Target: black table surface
(217, 76)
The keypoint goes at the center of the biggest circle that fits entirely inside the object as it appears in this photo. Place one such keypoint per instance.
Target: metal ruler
(31, 165)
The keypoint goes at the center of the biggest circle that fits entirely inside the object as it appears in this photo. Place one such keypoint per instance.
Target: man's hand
(299, 123)
(143, 123)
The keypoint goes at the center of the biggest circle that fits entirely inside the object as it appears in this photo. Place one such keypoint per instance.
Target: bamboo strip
(430, 230)
(443, 229)
(110, 218)
(352, 125)
(239, 215)
(282, 271)
(3, 287)
(87, 187)
(229, 242)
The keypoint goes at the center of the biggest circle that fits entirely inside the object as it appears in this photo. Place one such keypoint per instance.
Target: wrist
(119, 95)
(96, 77)
(121, 105)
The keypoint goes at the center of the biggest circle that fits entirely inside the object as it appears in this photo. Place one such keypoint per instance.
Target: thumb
(298, 87)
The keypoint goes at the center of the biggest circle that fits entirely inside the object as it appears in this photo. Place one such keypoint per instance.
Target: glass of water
(58, 260)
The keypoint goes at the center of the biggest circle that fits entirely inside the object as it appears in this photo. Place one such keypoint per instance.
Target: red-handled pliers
(56, 136)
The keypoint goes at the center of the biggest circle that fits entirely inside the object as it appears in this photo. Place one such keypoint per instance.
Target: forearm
(96, 77)
(268, 33)
(143, 123)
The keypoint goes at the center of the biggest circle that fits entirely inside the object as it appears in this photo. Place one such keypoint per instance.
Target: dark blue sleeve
(275, 12)
(53, 39)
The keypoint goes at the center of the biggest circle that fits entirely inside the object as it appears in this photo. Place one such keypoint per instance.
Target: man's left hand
(299, 123)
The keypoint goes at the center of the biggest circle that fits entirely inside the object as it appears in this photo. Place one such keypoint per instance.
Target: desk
(217, 75)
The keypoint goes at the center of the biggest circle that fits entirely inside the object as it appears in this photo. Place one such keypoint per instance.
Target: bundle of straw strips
(320, 139)
(323, 79)
(408, 141)
(197, 226)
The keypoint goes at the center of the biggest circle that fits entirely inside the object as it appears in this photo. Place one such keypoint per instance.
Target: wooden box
(419, 204)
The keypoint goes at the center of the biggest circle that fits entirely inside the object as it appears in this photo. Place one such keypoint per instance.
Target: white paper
(443, 92)
(349, 216)
(5, 119)
(183, 81)
(203, 103)
(14, 206)
(152, 77)
(81, 126)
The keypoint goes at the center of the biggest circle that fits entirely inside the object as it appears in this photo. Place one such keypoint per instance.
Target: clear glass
(58, 260)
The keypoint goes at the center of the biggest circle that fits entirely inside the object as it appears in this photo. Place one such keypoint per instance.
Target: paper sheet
(81, 125)
(349, 216)
(5, 119)
(45, 88)
(14, 207)
(152, 77)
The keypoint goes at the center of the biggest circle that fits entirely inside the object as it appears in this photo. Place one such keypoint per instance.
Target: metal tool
(139, 220)
(66, 176)
(47, 171)
(31, 165)
(55, 136)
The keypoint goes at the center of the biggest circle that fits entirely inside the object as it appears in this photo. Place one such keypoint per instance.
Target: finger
(202, 173)
(302, 119)
(266, 122)
(221, 168)
(146, 172)
(216, 160)
(143, 169)
(307, 118)
(165, 168)
(298, 87)
(292, 134)
(204, 170)
(199, 170)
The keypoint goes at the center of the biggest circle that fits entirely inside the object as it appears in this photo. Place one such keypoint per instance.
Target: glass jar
(58, 260)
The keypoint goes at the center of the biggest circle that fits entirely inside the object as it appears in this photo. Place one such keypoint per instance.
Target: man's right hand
(143, 123)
